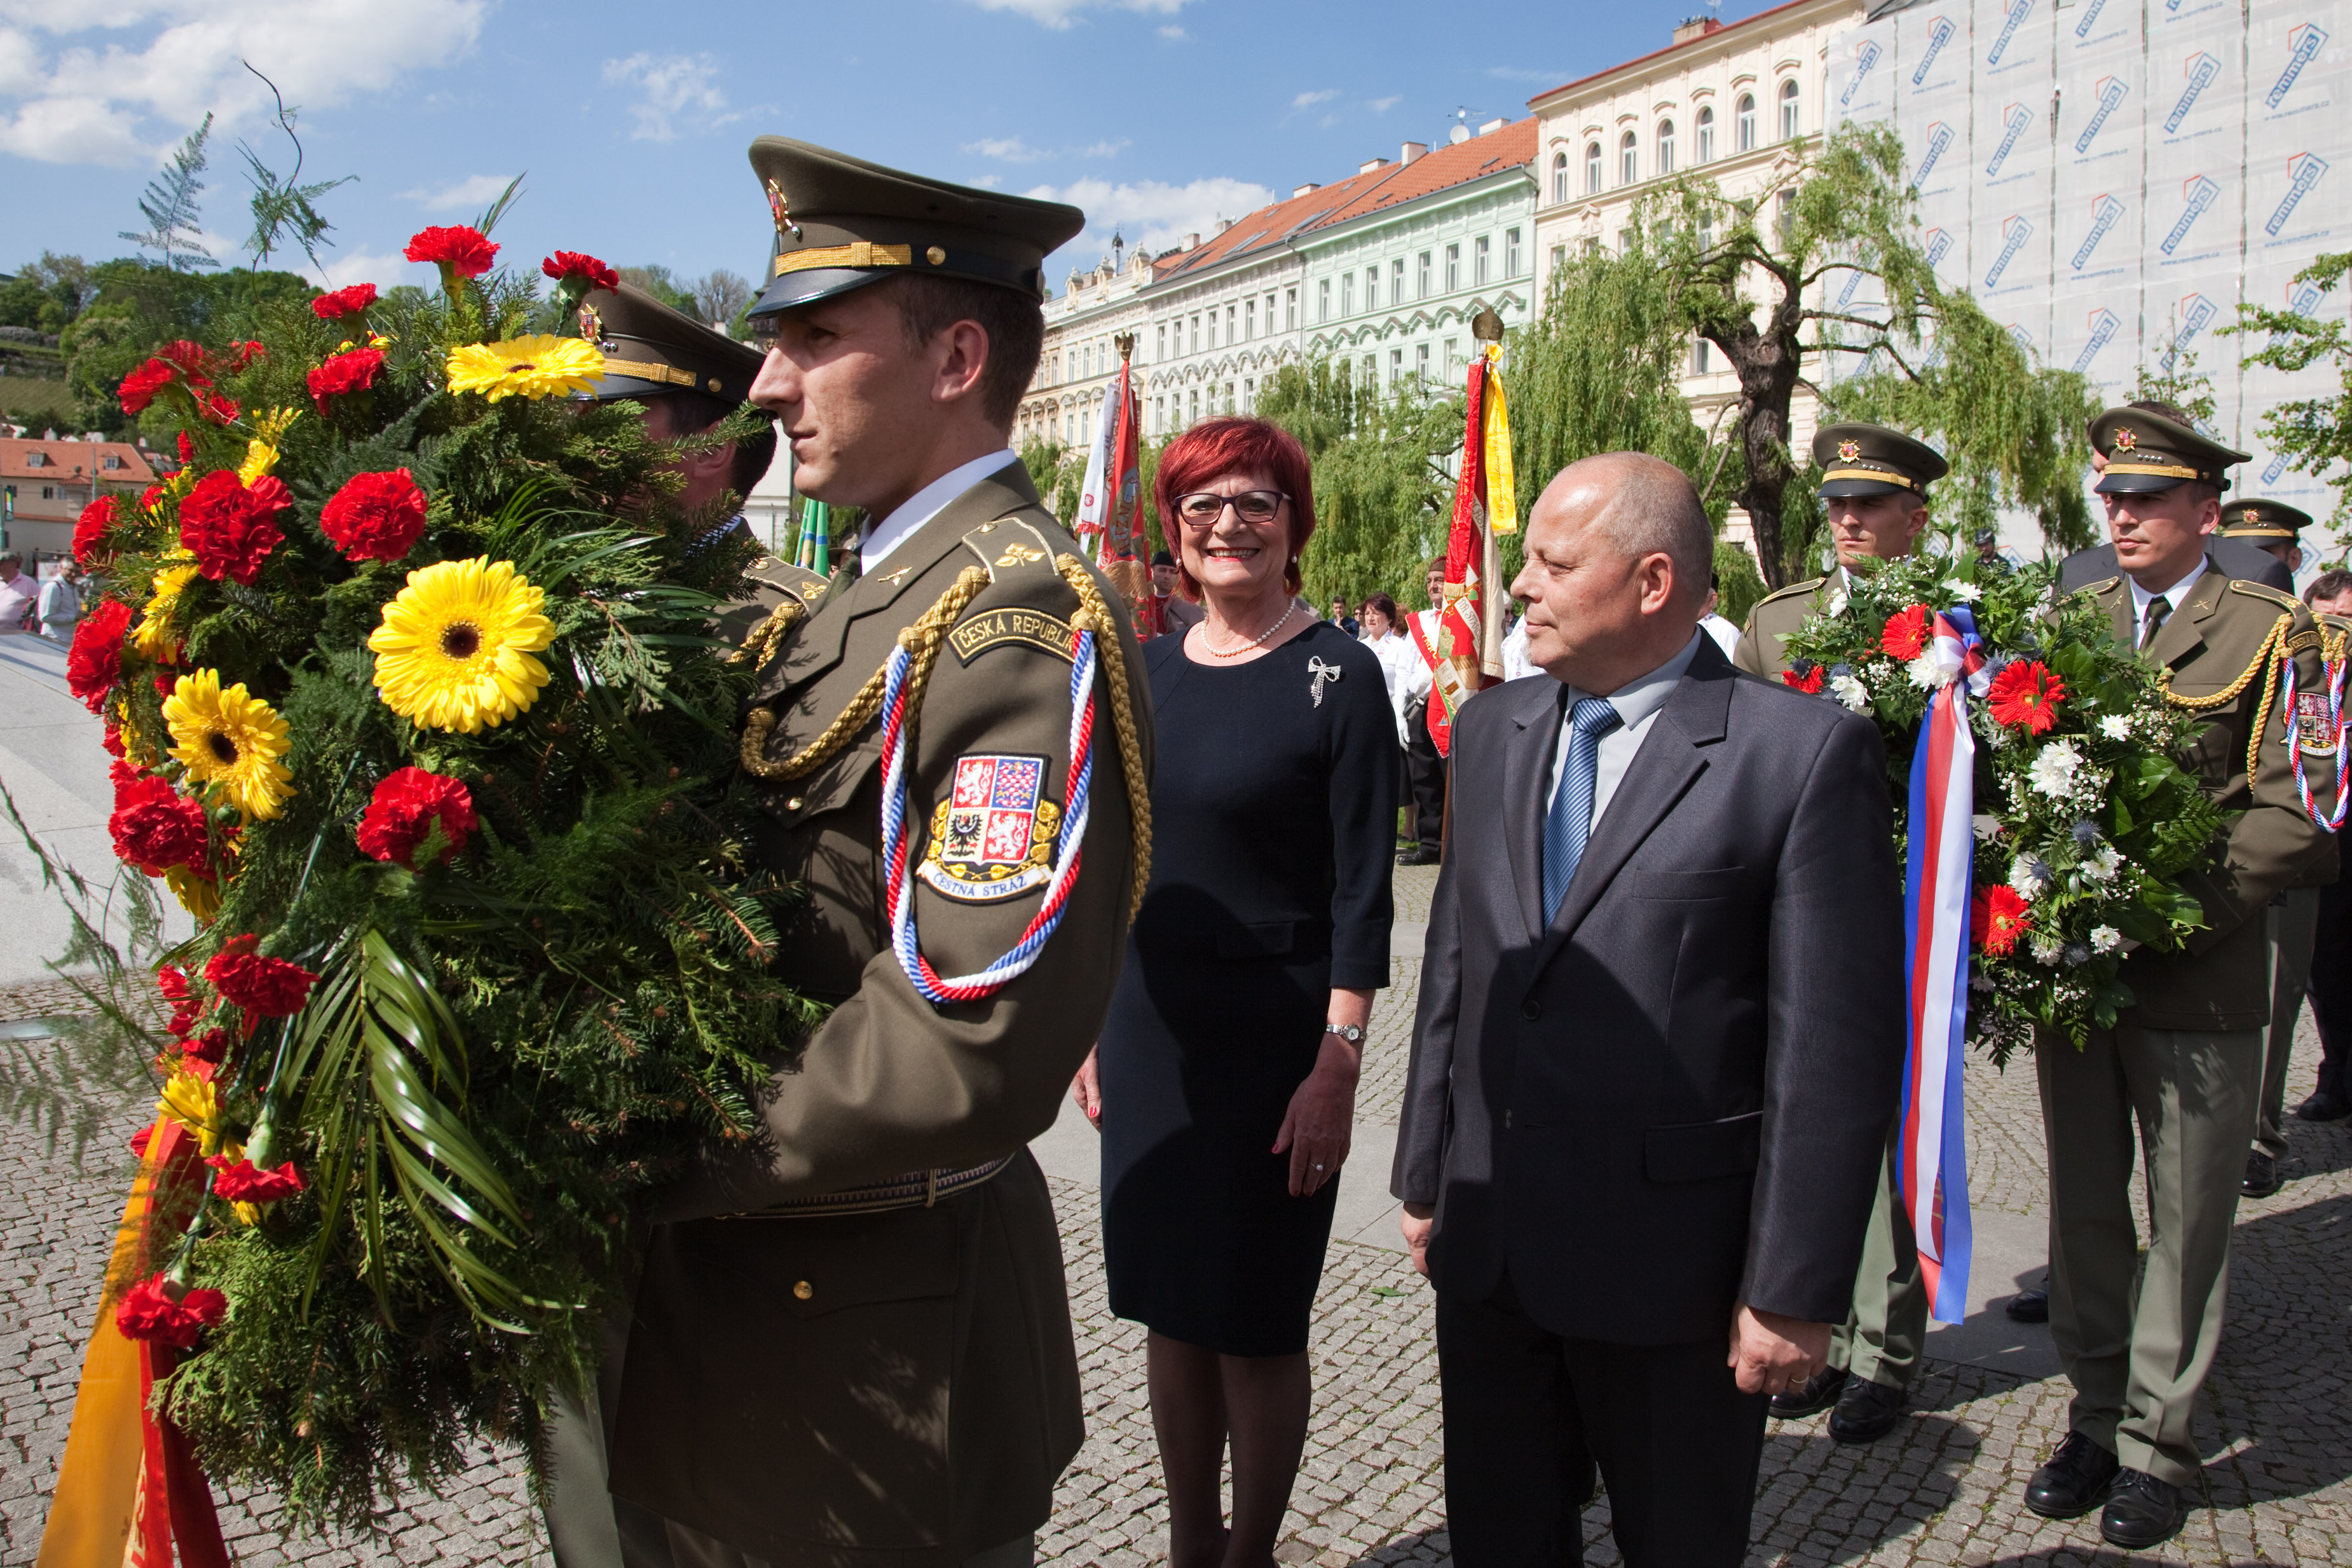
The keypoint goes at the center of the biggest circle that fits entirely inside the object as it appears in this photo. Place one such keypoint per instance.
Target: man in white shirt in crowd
(16, 591)
(58, 605)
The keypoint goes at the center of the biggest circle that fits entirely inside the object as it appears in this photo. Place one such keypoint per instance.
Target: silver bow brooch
(1322, 673)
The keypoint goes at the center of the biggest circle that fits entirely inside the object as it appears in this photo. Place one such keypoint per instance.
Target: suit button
(802, 1291)
(794, 804)
(1531, 1011)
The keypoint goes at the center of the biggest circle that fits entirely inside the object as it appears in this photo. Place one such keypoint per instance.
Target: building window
(1396, 366)
(1396, 282)
(1371, 373)
(1746, 122)
(1231, 312)
(1159, 415)
(1249, 319)
(1269, 315)
(1558, 256)
(111, 460)
(1624, 241)
(1420, 361)
(1452, 268)
(1784, 207)
(1249, 394)
(1161, 354)
(1629, 160)
(1479, 248)
(1196, 405)
(1290, 308)
(1371, 289)
(1346, 294)
(1452, 355)
(1559, 177)
(1593, 168)
(1789, 110)
(1212, 327)
(1323, 300)
(1665, 147)
(1510, 253)
(1196, 334)
(1707, 136)
(49, 492)
(1423, 269)
(36, 459)
(1698, 356)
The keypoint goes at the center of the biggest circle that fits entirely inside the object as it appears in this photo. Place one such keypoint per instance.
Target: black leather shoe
(2142, 1510)
(1425, 855)
(1817, 1396)
(2262, 1175)
(2074, 1481)
(2325, 1108)
(2029, 1306)
(1866, 1411)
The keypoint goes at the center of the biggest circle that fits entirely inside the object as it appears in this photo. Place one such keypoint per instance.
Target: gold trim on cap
(2162, 470)
(1884, 476)
(2261, 531)
(647, 371)
(858, 253)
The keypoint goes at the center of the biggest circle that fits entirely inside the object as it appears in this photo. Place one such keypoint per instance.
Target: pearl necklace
(1257, 642)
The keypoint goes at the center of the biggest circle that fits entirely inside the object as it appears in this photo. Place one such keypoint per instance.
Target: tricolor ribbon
(1932, 1154)
(2332, 687)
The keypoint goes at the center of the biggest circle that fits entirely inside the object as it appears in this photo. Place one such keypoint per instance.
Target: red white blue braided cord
(1067, 844)
(2333, 675)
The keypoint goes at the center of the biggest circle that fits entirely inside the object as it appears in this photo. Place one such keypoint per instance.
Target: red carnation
(208, 1048)
(187, 448)
(241, 1181)
(90, 532)
(375, 516)
(155, 827)
(233, 529)
(152, 495)
(566, 263)
(1996, 919)
(194, 359)
(2026, 695)
(1808, 682)
(185, 1008)
(1905, 633)
(344, 302)
(149, 1310)
(407, 808)
(344, 374)
(269, 986)
(243, 354)
(216, 408)
(461, 249)
(139, 387)
(94, 662)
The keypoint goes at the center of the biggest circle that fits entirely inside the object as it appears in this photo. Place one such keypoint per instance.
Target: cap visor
(2134, 483)
(816, 283)
(1837, 488)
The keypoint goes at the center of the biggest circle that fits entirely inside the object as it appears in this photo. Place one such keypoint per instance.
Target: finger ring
(1318, 1164)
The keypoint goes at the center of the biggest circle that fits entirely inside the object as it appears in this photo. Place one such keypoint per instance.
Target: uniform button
(1531, 1011)
(802, 1291)
(794, 804)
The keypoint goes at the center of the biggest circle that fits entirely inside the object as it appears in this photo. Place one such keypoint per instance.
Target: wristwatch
(1352, 1033)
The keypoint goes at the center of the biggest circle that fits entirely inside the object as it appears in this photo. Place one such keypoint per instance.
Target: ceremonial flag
(1120, 545)
(1932, 1156)
(1094, 490)
(1485, 505)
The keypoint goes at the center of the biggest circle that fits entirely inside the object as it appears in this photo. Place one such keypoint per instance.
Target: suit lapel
(1527, 776)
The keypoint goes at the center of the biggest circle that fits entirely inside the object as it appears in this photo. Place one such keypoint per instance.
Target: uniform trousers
(1528, 1414)
(2331, 990)
(2291, 927)
(1426, 770)
(2137, 1357)
(1886, 1327)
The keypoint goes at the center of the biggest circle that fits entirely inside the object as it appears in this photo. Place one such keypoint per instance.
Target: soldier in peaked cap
(2185, 1060)
(2272, 526)
(851, 1343)
(1875, 488)
(2234, 557)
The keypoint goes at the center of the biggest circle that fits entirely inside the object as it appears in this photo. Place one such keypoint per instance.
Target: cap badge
(2125, 439)
(1849, 450)
(591, 326)
(781, 210)
(2250, 516)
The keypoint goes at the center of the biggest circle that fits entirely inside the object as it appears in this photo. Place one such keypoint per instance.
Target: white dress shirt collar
(2177, 595)
(925, 503)
(1637, 703)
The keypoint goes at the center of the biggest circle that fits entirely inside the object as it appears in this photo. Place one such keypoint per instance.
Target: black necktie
(2158, 609)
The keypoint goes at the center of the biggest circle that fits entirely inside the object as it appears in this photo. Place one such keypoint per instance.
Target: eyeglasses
(1202, 508)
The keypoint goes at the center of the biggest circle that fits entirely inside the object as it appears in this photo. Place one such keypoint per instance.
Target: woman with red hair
(1224, 1083)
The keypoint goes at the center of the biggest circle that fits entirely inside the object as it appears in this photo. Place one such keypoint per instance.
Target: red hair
(1215, 449)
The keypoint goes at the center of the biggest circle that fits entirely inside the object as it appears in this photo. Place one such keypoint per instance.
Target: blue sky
(630, 121)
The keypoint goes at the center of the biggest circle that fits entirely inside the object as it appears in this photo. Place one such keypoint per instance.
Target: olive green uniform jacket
(899, 1387)
(2212, 644)
(1775, 619)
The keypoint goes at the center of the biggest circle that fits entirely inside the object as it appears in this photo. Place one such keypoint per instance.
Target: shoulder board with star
(796, 582)
(1793, 589)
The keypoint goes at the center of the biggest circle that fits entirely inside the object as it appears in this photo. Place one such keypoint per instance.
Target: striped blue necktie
(1569, 821)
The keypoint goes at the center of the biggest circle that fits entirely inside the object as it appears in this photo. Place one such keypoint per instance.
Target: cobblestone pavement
(2277, 1424)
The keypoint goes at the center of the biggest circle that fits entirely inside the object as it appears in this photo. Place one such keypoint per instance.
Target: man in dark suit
(1659, 1043)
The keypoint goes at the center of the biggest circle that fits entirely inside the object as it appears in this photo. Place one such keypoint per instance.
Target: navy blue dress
(1272, 820)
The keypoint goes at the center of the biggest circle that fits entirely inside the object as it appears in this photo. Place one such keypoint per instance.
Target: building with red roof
(45, 484)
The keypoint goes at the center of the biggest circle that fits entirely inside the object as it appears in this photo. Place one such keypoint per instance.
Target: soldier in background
(2183, 1065)
(2233, 557)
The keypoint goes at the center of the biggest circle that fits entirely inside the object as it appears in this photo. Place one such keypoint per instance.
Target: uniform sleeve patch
(976, 634)
(993, 837)
(2312, 729)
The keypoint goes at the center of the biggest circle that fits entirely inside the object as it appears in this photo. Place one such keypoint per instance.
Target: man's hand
(1086, 1089)
(1772, 1355)
(1417, 1221)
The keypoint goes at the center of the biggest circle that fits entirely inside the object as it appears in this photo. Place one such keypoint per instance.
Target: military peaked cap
(2252, 519)
(2147, 452)
(843, 223)
(1871, 460)
(651, 349)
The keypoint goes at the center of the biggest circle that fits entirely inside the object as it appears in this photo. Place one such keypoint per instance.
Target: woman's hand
(1320, 1121)
(1086, 1089)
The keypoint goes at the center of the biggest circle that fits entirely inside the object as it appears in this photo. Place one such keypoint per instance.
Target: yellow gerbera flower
(156, 636)
(261, 452)
(455, 649)
(537, 365)
(230, 742)
(199, 895)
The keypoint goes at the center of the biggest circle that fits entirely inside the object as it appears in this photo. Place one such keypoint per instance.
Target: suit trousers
(2331, 990)
(1885, 1330)
(2137, 1357)
(1529, 1413)
(1426, 770)
(2293, 926)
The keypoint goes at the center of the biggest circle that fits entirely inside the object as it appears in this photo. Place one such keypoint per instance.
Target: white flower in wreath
(2102, 864)
(2046, 950)
(2029, 877)
(1849, 690)
(2054, 768)
(1966, 593)
(2116, 727)
(2106, 938)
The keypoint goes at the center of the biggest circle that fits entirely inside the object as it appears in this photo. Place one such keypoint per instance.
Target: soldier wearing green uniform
(2185, 1060)
(851, 1345)
(2293, 918)
(1875, 490)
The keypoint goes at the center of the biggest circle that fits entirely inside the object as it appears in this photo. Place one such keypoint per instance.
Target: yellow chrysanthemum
(455, 649)
(195, 1104)
(537, 365)
(199, 895)
(261, 452)
(156, 636)
(230, 742)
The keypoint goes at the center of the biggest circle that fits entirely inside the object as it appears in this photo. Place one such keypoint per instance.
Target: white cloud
(1174, 33)
(472, 193)
(1057, 14)
(670, 86)
(1308, 99)
(1520, 73)
(128, 99)
(1150, 215)
(346, 267)
(1106, 148)
(1382, 105)
(1006, 149)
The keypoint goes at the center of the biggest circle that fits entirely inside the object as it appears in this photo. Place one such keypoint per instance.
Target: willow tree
(1753, 276)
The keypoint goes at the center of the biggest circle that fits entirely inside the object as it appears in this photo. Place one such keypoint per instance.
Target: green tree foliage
(662, 284)
(139, 306)
(45, 296)
(2314, 433)
(174, 216)
(2174, 378)
(1383, 485)
(1753, 277)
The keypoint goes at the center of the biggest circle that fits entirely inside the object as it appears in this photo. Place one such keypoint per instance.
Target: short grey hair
(1652, 509)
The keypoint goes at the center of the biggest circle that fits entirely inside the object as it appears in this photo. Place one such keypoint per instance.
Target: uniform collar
(2177, 595)
(925, 504)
